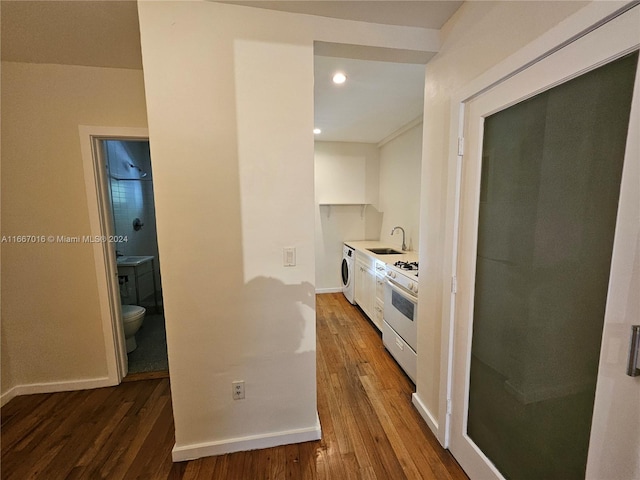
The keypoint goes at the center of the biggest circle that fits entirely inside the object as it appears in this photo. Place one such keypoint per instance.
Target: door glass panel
(551, 170)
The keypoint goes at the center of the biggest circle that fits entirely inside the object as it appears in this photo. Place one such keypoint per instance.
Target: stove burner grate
(406, 265)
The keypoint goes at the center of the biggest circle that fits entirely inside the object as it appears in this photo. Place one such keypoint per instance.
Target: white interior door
(549, 267)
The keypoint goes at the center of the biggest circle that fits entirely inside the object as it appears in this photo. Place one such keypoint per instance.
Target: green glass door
(550, 186)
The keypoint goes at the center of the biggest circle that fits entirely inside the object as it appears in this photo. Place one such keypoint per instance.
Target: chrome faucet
(404, 246)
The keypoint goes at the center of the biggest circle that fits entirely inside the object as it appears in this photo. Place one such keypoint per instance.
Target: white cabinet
(369, 292)
(137, 285)
(379, 300)
(379, 314)
(365, 293)
(136, 275)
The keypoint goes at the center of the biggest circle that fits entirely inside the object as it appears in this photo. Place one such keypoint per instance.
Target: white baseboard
(430, 420)
(329, 290)
(253, 442)
(52, 387)
(7, 396)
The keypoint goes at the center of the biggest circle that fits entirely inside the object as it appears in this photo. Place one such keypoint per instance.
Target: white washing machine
(348, 279)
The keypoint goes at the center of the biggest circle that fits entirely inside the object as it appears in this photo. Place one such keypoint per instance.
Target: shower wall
(131, 188)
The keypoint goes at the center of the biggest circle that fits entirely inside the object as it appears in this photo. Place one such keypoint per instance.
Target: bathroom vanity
(140, 270)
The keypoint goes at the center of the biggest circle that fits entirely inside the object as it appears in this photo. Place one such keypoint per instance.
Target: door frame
(566, 32)
(101, 227)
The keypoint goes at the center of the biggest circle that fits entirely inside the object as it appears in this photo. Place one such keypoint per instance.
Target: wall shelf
(363, 207)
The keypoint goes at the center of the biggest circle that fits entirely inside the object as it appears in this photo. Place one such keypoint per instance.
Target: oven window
(404, 306)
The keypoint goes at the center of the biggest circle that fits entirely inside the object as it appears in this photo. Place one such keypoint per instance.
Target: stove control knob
(411, 287)
(391, 274)
(415, 288)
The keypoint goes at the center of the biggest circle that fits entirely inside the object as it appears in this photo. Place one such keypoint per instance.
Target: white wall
(392, 185)
(478, 36)
(344, 167)
(400, 176)
(52, 334)
(230, 102)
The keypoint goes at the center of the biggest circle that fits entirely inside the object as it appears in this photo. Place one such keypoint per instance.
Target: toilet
(132, 316)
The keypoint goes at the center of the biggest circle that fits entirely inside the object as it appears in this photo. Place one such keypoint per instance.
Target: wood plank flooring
(370, 429)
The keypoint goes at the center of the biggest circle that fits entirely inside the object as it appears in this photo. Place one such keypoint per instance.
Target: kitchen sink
(384, 251)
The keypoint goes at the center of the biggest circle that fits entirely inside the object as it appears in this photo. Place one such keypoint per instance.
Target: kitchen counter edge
(363, 245)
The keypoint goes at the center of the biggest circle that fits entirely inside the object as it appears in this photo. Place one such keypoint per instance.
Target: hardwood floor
(370, 429)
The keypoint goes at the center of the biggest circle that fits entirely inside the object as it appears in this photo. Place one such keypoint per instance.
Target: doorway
(130, 184)
(102, 226)
(367, 153)
(547, 255)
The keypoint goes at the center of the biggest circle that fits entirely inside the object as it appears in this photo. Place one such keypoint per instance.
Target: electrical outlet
(237, 390)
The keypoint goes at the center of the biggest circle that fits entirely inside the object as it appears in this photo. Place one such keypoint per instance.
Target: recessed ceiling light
(317, 131)
(339, 78)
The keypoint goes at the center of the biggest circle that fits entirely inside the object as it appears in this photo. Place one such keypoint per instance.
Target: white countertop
(364, 245)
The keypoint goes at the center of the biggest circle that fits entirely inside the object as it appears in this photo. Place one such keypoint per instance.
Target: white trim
(115, 349)
(7, 396)
(405, 128)
(613, 384)
(569, 30)
(53, 387)
(573, 27)
(424, 412)
(252, 442)
(448, 326)
(329, 290)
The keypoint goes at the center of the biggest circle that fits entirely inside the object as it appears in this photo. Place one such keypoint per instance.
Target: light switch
(289, 259)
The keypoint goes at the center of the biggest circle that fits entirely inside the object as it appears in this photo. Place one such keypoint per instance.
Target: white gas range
(399, 332)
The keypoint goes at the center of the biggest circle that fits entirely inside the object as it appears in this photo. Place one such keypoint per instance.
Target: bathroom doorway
(102, 228)
(130, 192)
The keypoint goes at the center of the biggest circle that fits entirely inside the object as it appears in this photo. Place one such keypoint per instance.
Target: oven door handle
(402, 291)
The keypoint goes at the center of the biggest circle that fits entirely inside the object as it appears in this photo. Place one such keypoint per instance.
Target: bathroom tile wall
(131, 198)
(134, 199)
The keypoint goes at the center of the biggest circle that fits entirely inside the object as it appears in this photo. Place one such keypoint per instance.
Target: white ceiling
(378, 98)
(412, 13)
